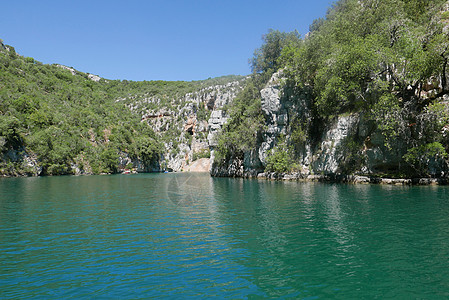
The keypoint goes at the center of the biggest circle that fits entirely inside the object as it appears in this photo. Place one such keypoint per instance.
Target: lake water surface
(193, 236)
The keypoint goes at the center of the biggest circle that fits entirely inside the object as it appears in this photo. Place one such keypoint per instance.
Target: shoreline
(353, 179)
(328, 178)
(341, 178)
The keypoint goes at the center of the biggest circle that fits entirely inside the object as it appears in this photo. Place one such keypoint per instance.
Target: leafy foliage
(240, 133)
(387, 59)
(420, 157)
(388, 116)
(204, 153)
(266, 58)
(365, 49)
(280, 159)
(63, 118)
(380, 58)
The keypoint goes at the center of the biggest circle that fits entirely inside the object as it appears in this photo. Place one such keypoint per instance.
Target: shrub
(420, 157)
(280, 159)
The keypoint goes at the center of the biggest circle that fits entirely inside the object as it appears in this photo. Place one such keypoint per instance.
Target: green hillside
(61, 118)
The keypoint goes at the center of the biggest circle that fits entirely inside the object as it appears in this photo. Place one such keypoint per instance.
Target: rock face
(190, 128)
(93, 77)
(25, 164)
(188, 124)
(330, 153)
(327, 160)
(71, 70)
(217, 119)
(276, 115)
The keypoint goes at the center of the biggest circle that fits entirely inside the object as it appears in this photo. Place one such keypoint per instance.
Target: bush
(420, 158)
(280, 159)
(246, 120)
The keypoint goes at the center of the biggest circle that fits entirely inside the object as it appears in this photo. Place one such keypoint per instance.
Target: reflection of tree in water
(276, 239)
(289, 236)
(256, 230)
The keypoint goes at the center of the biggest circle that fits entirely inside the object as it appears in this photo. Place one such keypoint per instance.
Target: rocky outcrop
(327, 159)
(276, 115)
(356, 179)
(235, 168)
(217, 119)
(74, 72)
(19, 162)
(71, 70)
(93, 77)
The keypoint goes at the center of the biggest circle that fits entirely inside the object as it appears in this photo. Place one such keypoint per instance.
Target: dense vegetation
(65, 120)
(387, 59)
(365, 51)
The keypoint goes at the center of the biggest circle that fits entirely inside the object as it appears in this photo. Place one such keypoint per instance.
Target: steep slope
(185, 124)
(365, 93)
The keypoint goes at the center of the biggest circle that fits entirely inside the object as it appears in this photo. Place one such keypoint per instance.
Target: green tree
(364, 49)
(266, 57)
(280, 158)
(240, 133)
(9, 126)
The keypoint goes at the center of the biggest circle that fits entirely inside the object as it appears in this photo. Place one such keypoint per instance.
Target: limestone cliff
(346, 144)
(187, 125)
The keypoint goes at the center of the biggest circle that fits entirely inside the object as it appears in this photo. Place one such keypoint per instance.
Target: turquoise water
(177, 236)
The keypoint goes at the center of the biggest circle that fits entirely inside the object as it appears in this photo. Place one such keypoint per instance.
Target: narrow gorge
(365, 100)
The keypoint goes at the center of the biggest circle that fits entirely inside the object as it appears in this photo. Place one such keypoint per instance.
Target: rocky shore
(355, 179)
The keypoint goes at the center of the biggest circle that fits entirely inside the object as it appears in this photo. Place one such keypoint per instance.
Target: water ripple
(131, 237)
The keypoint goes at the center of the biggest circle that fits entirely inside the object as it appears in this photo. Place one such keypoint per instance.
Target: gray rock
(251, 160)
(73, 71)
(216, 121)
(93, 77)
(31, 162)
(328, 160)
(271, 103)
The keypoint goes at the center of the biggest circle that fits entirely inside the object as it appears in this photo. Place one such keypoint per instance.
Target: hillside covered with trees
(58, 119)
(384, 61)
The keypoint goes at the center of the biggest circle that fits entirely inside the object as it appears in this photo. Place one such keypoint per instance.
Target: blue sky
(151, 40)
